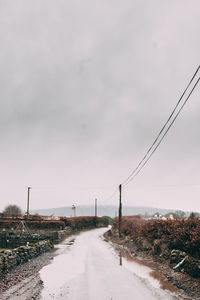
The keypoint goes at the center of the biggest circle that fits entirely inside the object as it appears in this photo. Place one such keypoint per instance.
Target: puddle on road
(71, 242)
(57, 273)
(134, 266)
(145, 270)
(66, 244)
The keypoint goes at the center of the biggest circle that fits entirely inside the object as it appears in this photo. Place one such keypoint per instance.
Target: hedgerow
(37, 222)
(83, 222)
(41, 224)
(181, 234)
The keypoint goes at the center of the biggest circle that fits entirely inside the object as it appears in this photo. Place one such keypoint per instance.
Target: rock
(12, 258)
(185, 263)
(176, 256)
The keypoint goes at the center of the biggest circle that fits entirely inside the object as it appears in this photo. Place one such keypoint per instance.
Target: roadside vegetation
(181, 234)
(37, 222)
(175, 242)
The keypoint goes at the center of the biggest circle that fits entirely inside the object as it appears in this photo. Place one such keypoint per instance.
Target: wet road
(88, 268)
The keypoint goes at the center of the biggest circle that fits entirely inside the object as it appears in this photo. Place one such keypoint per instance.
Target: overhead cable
(142, 166)
(148, 154)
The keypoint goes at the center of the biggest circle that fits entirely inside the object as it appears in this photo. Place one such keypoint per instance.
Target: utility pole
(74, 210)
(95, 207)
(96, 212)
(28, 200)
(120, 209)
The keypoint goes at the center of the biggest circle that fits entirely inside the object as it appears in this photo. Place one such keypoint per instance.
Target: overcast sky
(85, 87)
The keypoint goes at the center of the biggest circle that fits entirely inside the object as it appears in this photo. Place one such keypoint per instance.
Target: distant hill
(107, 210)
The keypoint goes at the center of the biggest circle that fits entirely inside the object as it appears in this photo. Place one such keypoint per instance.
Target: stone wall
(10, 239)
(26, 246)
(11, 258)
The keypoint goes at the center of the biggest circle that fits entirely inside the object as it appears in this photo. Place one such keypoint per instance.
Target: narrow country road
(87, 268)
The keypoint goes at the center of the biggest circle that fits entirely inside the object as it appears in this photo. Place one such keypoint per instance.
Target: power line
(161, 131)
(144, 161)
(142, 166)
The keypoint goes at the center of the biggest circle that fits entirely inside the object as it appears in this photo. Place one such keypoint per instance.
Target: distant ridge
(107, 210)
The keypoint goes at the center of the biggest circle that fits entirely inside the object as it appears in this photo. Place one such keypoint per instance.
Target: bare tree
(12, 210)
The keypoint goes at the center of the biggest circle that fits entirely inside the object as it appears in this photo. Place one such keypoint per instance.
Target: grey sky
(85, 88)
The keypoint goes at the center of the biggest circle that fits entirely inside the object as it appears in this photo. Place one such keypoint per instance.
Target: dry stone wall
(11, 258)
(11, 240)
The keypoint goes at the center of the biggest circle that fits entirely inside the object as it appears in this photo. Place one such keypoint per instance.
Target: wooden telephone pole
(95, 207)
(28, 200)
(120, 209)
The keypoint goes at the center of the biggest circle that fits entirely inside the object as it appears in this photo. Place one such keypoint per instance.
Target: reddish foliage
(81, 222)
(13, 217)
(24, 217)
(42, 224)
(182, 234)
